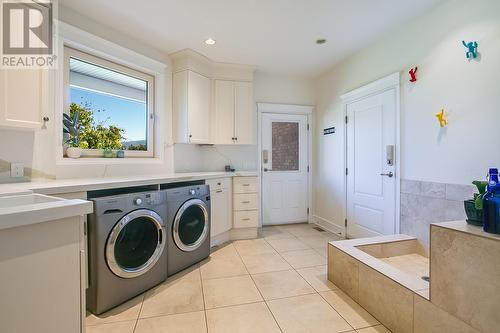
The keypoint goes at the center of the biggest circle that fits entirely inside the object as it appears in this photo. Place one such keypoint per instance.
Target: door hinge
(307, 210)
(308, 127)
(346, 119)
(308, 168)
(346, 171)
(345, 223)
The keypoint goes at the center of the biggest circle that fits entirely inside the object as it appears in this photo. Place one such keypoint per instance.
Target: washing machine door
(191, 223)
(135, 243)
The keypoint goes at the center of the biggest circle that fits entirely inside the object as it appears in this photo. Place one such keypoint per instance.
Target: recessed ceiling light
(320, 41)
(210, 41)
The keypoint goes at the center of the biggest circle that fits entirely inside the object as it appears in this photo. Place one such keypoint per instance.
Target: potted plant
(71, 128)
(474, 207)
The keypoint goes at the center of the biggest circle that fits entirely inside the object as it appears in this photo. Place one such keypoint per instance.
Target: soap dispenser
(491, 204)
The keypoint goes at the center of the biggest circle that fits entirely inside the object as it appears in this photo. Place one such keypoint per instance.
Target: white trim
(378, 86)
(291, 109)
(386, 83)
(328, 225)
(97, 46)
(284, 108)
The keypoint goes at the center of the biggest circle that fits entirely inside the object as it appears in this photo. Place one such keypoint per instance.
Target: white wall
(468, 91)
(267, 87)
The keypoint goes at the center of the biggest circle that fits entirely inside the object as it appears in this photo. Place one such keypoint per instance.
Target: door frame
(379, 86)
(291, 109)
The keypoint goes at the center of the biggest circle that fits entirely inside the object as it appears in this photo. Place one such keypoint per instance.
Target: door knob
(390, 174)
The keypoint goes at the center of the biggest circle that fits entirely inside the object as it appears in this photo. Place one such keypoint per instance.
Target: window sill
(111, 160)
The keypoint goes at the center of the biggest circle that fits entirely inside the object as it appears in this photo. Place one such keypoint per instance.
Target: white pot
(74, 152)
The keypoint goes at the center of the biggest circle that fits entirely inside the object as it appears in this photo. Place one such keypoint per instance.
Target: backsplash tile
(423, 203)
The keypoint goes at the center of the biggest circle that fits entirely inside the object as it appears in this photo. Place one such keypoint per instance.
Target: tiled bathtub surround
(423, 203)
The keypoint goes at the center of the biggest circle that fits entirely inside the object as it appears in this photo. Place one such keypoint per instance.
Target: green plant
(478, 197)
(71, 127)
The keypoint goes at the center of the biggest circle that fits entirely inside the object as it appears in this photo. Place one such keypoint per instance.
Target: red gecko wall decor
(413, 74)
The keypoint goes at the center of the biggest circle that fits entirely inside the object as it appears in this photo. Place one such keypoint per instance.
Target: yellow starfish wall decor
(441, 116)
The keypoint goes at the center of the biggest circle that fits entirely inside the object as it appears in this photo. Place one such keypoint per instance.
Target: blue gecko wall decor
(471, 49)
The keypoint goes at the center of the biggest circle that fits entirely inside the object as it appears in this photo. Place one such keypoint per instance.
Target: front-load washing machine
(188, 216)
(127, 250)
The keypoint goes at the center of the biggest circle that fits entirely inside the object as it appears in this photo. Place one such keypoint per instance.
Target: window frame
(72, 52)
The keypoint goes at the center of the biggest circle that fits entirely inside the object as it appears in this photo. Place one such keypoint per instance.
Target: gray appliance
(188, 216)
(127, 250)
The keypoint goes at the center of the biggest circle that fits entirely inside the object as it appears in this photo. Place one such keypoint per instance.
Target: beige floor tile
(308, 313)
(230, 291)
(303, 258)
(262, 263)
(222, 266)
(317, 277)
(179, 294)
(351, 311)
(322, 252)
(314, 241)
(281, 284)
(274, 233)
(287, 244)
(302, 230)
(120, 327)
(223, 250)
(192, 322)
(374, 329)
(248, 318)
(253, 246)
(124, 312)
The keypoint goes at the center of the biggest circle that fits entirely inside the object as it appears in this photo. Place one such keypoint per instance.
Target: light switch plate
(17, 170)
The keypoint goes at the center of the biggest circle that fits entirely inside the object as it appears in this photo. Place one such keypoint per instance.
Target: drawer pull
(218, 191)
(246, 219)
(245, 184)
(245, 202)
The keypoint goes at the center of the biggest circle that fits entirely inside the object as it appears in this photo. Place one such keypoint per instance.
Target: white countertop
(25, 209)
(92, 184)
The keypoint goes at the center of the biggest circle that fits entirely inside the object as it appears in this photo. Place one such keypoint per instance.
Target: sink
(25, 200)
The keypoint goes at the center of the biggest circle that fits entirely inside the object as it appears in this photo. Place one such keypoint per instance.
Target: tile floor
(276, 283)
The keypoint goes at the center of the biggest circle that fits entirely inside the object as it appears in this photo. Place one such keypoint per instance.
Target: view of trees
(98, 135)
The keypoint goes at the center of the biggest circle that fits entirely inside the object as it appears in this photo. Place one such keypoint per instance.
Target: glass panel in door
(285, 146)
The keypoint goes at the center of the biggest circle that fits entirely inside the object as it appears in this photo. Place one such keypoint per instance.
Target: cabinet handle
(245, 202)
(190, 135)
(247, 219)
(245, 184)
(219, 184)
(218, 191)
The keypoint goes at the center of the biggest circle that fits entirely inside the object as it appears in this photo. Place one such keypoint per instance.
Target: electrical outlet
(17, 170)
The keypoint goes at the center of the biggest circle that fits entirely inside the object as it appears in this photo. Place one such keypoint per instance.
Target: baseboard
(328, 225)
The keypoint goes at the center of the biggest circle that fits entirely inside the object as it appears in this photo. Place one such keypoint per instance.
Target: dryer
(127, 248)
(188, 216)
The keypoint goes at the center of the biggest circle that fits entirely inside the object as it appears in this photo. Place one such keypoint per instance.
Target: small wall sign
(329, 130)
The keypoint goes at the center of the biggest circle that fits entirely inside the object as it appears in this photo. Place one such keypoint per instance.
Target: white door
(284, 174)
(371, 165)
(198, 108)
(244, 113)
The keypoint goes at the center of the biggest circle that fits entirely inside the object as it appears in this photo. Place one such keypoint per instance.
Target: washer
(188, 216)
(127, 248)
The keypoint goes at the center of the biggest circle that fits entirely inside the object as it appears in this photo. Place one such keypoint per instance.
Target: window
(114, 104)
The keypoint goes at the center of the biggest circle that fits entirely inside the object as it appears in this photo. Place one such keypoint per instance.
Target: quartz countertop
(59, 186)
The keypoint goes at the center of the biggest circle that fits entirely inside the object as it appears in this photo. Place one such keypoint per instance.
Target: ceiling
(276, 36)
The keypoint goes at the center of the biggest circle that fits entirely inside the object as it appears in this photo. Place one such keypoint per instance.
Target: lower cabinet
(245, 202)
(220, 206)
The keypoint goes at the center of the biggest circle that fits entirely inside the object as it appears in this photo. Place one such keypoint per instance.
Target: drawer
(245, 184)
(245, 201)
(218, 183)
(246, 219)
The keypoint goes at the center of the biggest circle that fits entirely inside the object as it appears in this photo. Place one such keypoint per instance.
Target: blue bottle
(491, 204)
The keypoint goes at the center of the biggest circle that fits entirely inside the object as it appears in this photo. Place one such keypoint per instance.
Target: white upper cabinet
(23, 98)
(234, 113)
(191, 103)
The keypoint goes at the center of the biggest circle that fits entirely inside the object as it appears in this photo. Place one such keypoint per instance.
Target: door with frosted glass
(284, 168)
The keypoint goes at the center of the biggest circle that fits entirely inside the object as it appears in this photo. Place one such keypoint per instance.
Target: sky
(127, 114)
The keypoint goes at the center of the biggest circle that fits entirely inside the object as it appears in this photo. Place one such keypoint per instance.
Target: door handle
(266, 170)
(390, 174)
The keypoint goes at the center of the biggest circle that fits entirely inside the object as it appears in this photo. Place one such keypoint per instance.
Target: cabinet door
(198, 108)
(224, 112)
(23, 97)
(220, 210)
(244, 115)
